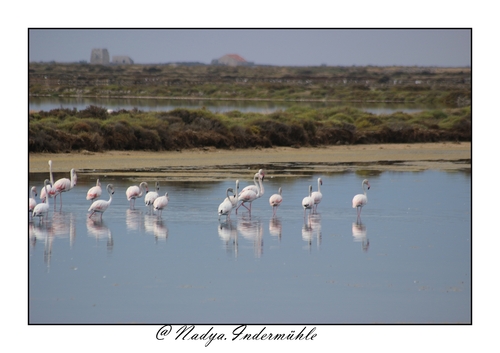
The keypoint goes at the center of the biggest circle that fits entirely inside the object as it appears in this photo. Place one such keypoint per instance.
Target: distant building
(120, 60)
(232, 60)
(99, 56)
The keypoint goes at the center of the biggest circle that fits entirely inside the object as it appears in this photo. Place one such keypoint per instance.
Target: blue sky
(288, 47)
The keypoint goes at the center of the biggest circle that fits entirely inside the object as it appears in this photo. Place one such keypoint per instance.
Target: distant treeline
(94, 129)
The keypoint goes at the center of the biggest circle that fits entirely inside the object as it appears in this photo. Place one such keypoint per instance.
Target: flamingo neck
(50, 174)
(319, 186)
(46, 194)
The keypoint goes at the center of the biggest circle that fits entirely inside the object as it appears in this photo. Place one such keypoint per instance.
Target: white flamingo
(100, 206)
(234, 199)
(134, 192)
(360, 200)
(42, 209)
(317, 195)
(226, 206)
(275, 201)
(251, 194)
(63, 185)
(308, 201)
(160, 203)
(50, 191)
(151, 196)
(95, 191)
(32, 201)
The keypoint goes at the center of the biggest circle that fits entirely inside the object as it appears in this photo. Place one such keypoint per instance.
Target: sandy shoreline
(211, 163)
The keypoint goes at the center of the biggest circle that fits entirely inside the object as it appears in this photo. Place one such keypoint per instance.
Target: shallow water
(266, 107)
(408, 261)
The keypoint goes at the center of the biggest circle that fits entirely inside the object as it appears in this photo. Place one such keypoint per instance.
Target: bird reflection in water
(42, 233)
(228, 233)
(134, 220)
(275, 227)
(156, 226)
(98, 230)
(311, 230)
(252, 230)
(359, 234)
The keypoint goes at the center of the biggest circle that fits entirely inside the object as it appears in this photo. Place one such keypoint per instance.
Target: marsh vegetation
(96, 129)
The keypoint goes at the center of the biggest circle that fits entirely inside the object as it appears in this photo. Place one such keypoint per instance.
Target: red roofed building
(231, 60)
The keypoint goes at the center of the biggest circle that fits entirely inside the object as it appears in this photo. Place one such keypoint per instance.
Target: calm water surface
(49, 103)
(407, 261)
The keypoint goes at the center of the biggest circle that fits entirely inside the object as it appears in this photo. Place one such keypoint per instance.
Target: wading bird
(50, 191)
(32, 201)
(275, 201)
(160, 203)
(134, 192)
(250, 194)
(308, 201)
(226, 206)
(42, 209)
(360, 200)
(151, 196)
(317, 195)
(100, 206)
(63, 185)
(95, 191)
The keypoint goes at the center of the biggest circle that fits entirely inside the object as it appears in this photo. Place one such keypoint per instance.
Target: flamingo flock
(158, 203)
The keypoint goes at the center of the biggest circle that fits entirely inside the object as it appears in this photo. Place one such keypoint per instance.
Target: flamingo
(226, 206)
(234, 199)
(251, 194)
(50, 191)
(95, 191)
(275, 200)
(100, 206)
(135, 192)
(255, 187)
(317, 195)
(160, 203)
(32, 201)
(63, 185)
(308, 201)
(151, 196)
(360, 200)
(42, 209)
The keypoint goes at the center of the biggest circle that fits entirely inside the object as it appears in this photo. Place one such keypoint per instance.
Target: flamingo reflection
(228, 233)
(275, 227)
(42, 233)
(134, 220)
(359, 234)
(98, 230)
(253, 231)
(156, 226)
(311, 230)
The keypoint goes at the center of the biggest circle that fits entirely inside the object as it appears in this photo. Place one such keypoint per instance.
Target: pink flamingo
(50, 191)
(95, 191)
(317, 195)
(100, 206)
(134, 192)
(250, 194)
(63, 185)
(275, 200)
(151, 196)
(255, 187)
(308, 201)
(360, 200)
(32, 201)
(226, 206)
(42, 209)
(160, 203)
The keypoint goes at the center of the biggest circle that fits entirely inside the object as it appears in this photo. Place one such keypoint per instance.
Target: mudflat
(212, 163)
